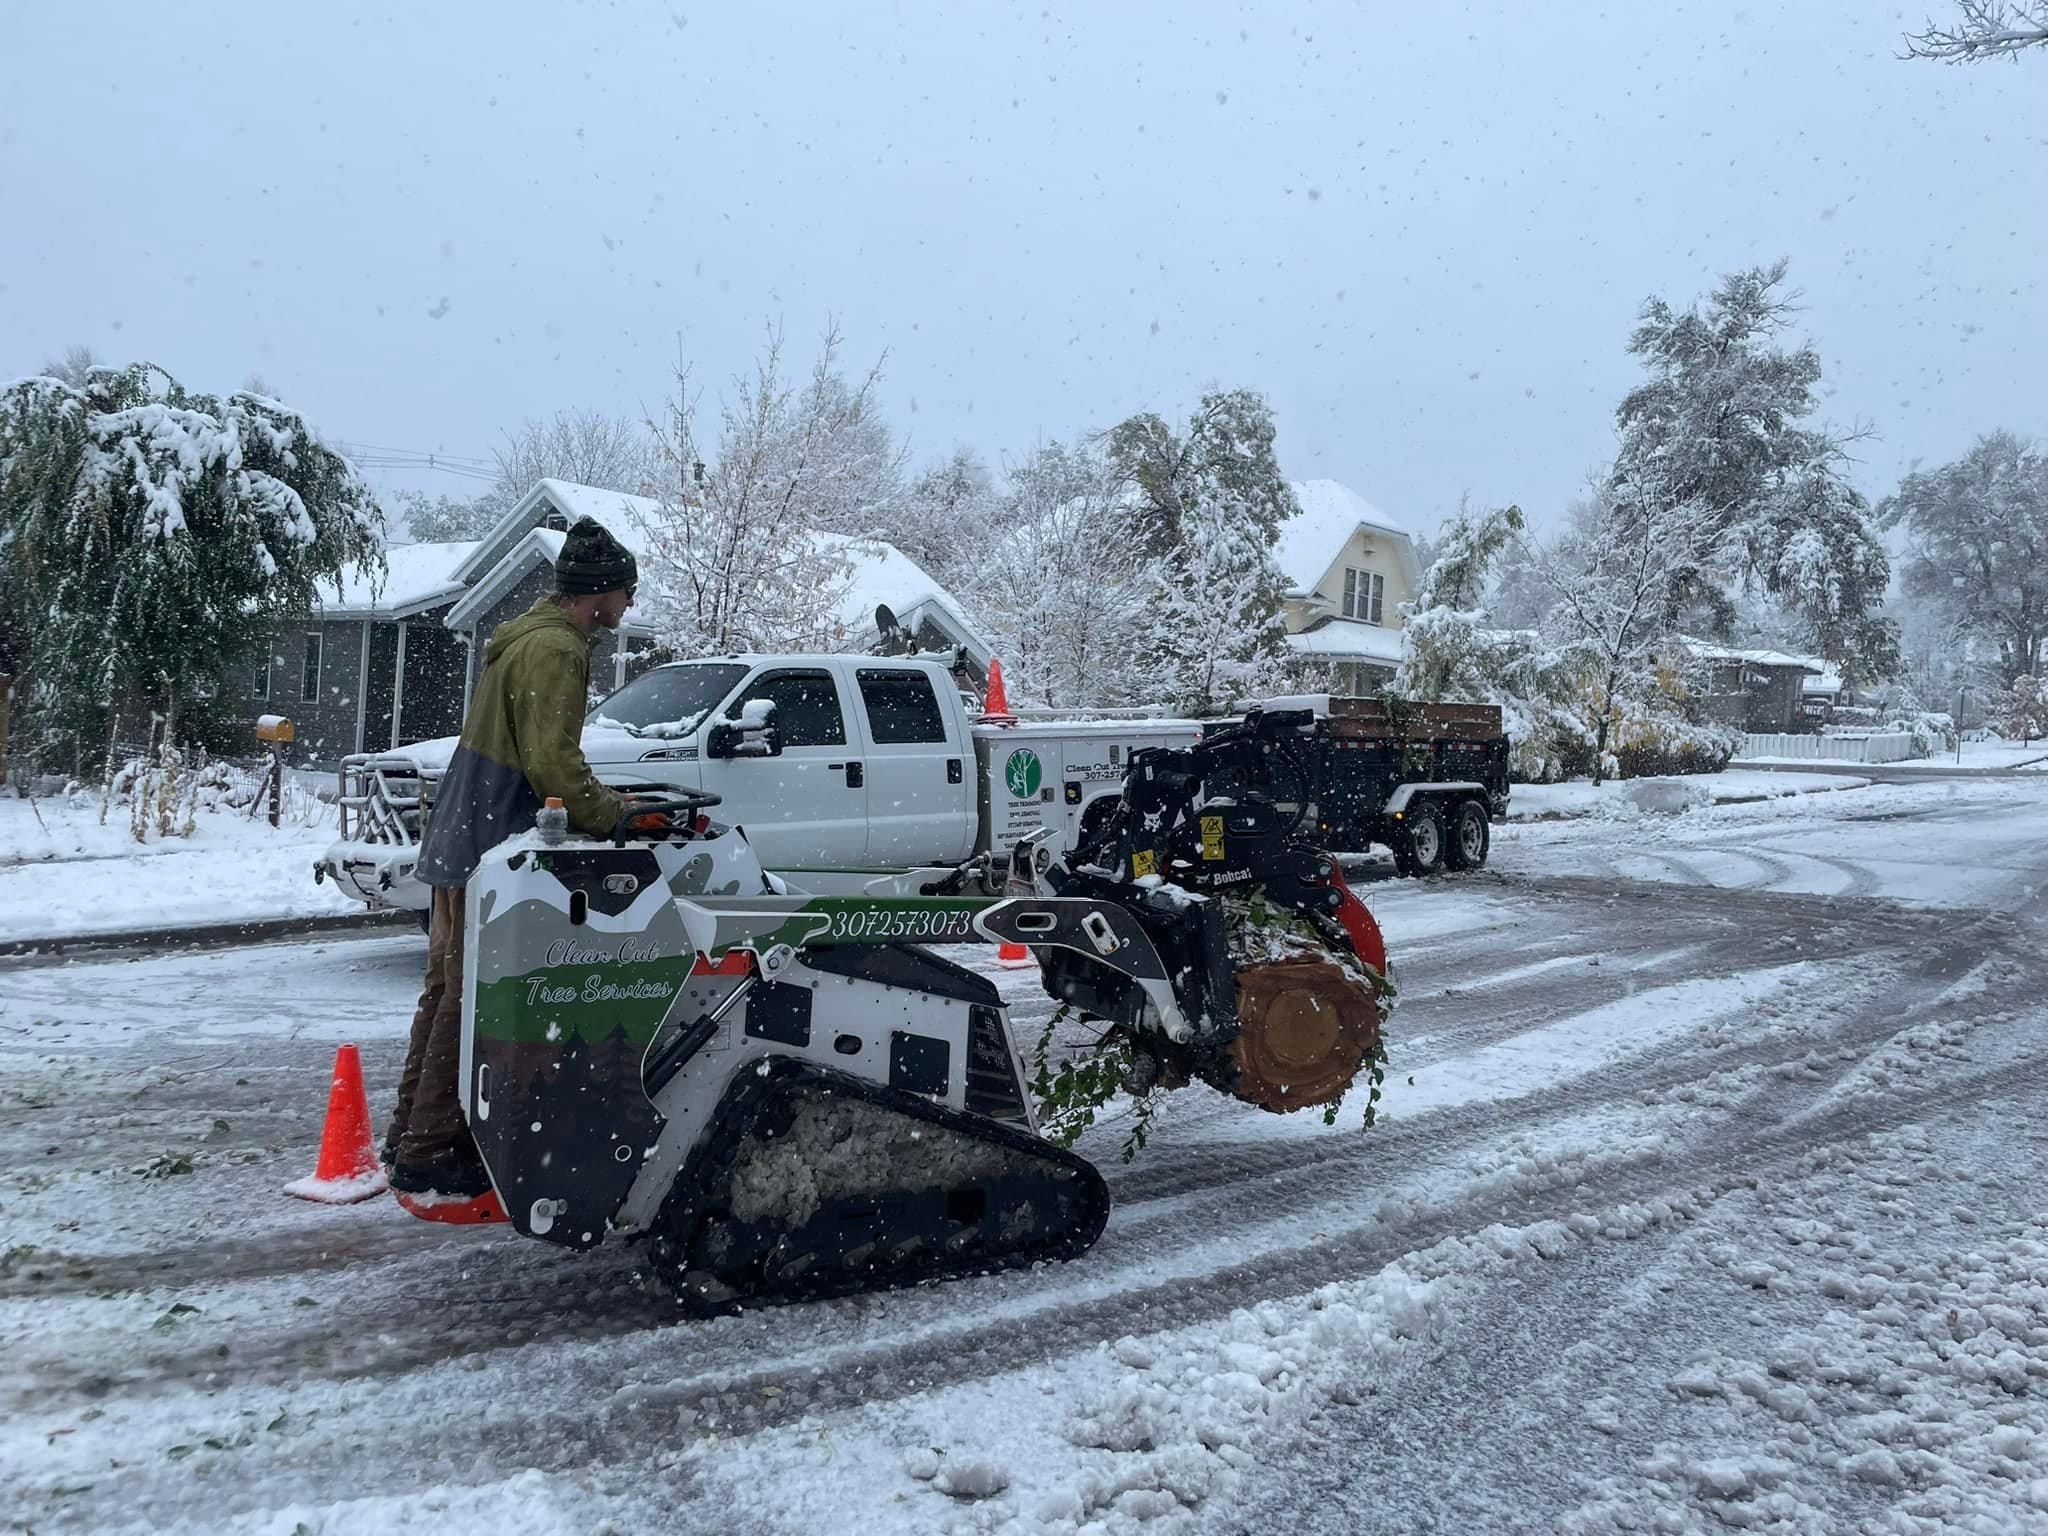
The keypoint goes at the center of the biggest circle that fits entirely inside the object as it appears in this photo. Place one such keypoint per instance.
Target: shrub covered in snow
(2023, 712)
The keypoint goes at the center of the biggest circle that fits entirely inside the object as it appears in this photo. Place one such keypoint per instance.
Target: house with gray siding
(374, 665)
(381, 665)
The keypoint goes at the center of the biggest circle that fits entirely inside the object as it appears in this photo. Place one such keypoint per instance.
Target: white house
(1349, 567)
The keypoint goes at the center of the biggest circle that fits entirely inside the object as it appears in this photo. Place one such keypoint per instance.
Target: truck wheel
(426, 917)
(1422, 836)
(1470, 837)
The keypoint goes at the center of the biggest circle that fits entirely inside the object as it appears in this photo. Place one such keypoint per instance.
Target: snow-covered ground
(1626, 797)
(1713, 1203)
(62, 872)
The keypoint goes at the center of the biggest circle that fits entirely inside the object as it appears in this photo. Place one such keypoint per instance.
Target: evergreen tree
(1225, 460)
(158, 537)
(1718, 426)
(1214, 613)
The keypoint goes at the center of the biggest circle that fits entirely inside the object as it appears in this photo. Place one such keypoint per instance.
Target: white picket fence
(1890, 747)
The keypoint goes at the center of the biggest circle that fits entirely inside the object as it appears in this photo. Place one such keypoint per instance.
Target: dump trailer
(1425, 781)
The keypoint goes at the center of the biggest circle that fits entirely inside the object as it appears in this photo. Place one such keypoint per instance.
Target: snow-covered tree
(1983, 29)
(1061, 590)
(1213, 612)
(1978, 540)
(2023, 709)
(439, 519)
(1717, 428)
(748, 548)
(1614, 577)
(77, 363)
(1453, 650)
(1225, 459)
(945, 517)
(1204, 506)
(157, 537)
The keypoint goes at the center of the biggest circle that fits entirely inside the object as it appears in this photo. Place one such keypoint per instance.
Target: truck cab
(869, 762)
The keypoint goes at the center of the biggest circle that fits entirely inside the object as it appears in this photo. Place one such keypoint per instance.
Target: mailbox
(274, 728)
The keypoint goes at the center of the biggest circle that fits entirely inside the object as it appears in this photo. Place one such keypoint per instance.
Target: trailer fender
(1397, 802)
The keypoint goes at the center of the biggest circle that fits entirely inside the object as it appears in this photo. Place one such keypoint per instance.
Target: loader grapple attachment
(811, 1183)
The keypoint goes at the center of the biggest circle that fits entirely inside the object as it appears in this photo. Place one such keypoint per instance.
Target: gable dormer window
(1364, 595)
(555, 520)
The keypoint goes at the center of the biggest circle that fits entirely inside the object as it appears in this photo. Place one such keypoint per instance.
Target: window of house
(806, 708)
(901, 706)
(309, 675)
(1364, 595)
(259, 686)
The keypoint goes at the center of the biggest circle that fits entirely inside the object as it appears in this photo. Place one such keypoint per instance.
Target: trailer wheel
(1422, 842)
(1470, 837)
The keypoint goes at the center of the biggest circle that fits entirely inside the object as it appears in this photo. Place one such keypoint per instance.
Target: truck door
(807, 807)
(921, 805)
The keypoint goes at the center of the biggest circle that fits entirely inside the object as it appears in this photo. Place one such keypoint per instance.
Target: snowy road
(1715, 1201)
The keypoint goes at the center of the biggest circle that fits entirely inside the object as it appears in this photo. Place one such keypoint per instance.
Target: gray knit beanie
(593, 561)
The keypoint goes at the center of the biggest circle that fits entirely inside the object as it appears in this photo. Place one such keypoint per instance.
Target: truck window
(901, 706)
(806, 707)
(669, 701)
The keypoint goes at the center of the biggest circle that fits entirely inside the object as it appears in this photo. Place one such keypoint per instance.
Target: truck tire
(426, 919)
(1470, 837)
(1421, 848)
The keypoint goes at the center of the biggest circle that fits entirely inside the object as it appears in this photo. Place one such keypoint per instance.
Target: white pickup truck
(875, 765)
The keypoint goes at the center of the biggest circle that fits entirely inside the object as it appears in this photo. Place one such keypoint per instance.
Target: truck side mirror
(752, 735)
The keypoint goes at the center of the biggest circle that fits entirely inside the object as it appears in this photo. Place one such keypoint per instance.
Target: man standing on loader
(521, 745)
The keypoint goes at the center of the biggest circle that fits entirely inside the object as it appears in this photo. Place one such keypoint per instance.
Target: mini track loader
(792, 1096)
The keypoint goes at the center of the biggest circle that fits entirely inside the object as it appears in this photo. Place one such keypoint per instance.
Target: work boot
(450, 1177)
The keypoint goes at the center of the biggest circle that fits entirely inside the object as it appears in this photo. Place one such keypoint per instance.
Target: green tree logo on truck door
(1021, 774)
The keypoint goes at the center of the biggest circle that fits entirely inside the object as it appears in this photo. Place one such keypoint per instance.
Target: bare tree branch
(1983, 29)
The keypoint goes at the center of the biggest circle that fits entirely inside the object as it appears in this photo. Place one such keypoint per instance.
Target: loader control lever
(668, 813)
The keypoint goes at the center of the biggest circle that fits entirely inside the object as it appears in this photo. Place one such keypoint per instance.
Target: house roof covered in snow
(1349, 640)
(1311, 541)
(621, 515)
(416, 577)
(879, 573)
(1707, 651)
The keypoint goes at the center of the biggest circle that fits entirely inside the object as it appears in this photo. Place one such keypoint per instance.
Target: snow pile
(1667, 797)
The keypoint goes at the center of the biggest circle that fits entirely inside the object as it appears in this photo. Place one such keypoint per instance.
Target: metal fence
(1889, 747)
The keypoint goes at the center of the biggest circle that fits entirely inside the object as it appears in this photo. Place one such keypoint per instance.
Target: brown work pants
(428, 1127)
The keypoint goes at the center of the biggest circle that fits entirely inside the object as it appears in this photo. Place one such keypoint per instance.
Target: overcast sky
(1423, 231)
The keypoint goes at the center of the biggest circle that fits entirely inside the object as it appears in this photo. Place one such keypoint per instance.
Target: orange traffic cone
(1013, 955)
(995, 708)
(347, 1170)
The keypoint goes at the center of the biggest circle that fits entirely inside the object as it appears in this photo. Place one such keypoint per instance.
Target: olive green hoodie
(521, 742)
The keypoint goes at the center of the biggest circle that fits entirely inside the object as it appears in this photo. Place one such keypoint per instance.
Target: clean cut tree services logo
(1021, 773)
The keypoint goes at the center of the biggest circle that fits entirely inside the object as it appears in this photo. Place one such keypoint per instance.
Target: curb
(199, 936)
(1909, 768)
(1542, 818)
